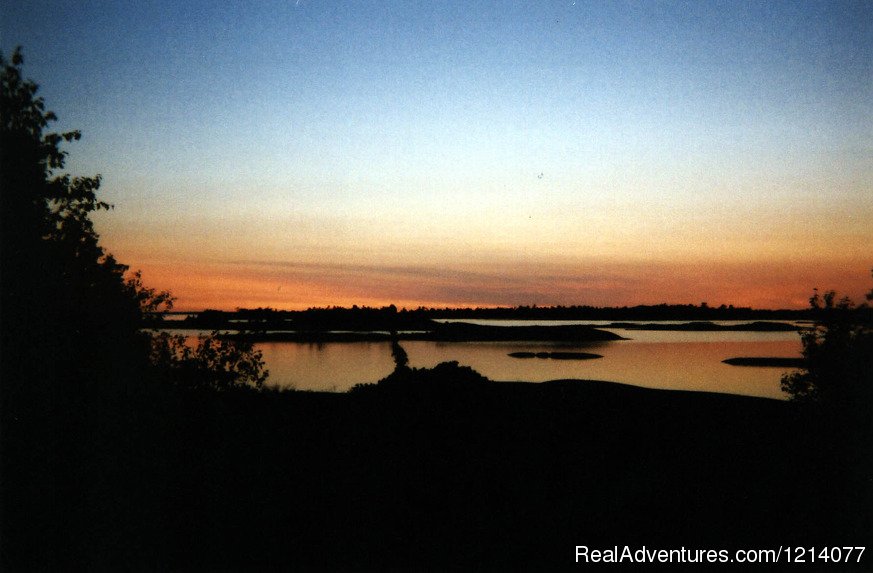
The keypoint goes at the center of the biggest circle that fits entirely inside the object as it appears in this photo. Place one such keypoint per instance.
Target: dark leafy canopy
(66, 305)
(213, 362)
(838, 352)
(69, 309)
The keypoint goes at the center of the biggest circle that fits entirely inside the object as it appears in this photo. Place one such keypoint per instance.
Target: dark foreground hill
(486, 476)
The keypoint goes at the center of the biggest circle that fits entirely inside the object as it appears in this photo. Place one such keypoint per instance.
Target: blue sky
(505, 137)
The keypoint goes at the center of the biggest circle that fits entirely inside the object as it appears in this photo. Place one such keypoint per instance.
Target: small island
(439, 332)
(467, 332)
(774, 362)
(556, 355)
(706, 326)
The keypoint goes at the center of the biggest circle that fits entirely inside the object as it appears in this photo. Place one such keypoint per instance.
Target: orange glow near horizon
(438, 256)
(227, 286)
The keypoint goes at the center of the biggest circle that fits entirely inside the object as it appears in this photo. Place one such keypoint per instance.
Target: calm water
(656, 359)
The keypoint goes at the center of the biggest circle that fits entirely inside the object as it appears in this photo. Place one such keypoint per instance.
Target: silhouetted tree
(401, 359)
(69, 309)
(838, 352)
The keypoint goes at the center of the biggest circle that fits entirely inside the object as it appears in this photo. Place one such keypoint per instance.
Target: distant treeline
(389, 318)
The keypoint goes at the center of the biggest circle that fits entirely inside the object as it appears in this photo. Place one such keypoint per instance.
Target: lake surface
(655, 359)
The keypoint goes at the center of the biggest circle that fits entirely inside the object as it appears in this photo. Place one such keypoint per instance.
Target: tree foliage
(838, 351)
(215, 361)
(70, 309)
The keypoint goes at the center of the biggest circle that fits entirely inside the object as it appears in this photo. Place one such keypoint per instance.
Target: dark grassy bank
(429, 476)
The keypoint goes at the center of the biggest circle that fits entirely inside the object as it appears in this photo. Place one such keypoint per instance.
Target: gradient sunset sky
(307, 153)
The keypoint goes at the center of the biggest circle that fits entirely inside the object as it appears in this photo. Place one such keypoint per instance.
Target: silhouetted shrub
(445, 376)
(838, 355)
(212, 361)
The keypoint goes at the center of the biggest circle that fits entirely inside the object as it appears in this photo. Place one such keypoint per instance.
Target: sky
(304, 153)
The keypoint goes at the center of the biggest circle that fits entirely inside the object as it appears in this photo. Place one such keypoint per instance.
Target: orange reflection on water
(673, 365)
(659, 363)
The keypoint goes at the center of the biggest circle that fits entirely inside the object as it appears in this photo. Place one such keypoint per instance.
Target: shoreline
(470, 332)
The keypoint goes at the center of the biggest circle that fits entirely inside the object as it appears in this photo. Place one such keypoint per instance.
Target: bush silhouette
(214, 362)
(838, 355)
